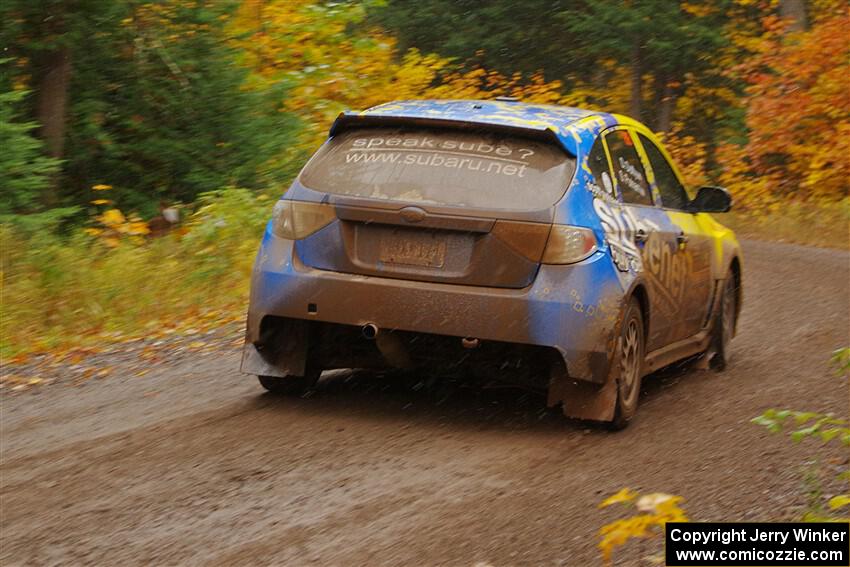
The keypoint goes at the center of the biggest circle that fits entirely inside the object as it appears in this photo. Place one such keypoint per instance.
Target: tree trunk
(658, 82)
(52, 98)
(666, 105)
(636, 102)
(794, 11)
(51, 87)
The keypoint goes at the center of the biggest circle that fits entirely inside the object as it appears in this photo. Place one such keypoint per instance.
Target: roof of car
(565, 122)
(488, 111)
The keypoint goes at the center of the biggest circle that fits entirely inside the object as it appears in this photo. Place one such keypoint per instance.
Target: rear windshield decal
(447, 167)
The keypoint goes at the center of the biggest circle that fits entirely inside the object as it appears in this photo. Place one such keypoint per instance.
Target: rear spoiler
(350, 120)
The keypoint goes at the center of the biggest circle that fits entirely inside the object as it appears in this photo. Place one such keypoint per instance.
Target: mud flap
(584, 400)
(704, 362)
(281, 350)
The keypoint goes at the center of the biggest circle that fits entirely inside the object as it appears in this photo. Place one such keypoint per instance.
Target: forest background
(119, 116)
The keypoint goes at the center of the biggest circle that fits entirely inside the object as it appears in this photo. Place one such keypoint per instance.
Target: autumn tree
(334, 59)
(797, 105)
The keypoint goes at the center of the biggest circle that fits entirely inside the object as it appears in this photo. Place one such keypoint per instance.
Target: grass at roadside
(85, 291)
(824, 226)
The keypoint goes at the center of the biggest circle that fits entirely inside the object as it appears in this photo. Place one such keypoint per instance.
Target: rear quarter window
(628, 169)
(476, 169)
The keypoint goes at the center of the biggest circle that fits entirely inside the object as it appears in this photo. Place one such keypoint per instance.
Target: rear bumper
(573, 309)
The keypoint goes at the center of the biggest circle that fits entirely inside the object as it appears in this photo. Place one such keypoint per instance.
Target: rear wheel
(724, 325)
(628, 365)
(290, 385)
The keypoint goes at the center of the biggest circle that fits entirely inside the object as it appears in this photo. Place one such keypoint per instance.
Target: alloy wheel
(630, 361)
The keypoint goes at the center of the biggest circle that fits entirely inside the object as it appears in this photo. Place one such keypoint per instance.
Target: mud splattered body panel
(571, 308)
(456, 253)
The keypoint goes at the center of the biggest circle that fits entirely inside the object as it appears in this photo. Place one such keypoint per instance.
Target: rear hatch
(444, 205)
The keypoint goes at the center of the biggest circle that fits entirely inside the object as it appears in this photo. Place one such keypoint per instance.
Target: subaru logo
(413, 214)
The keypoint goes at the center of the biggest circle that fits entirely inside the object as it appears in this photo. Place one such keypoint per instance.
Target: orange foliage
(481, 83)
(797, 108)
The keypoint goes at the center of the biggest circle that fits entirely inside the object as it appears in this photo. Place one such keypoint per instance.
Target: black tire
(724, 325)
(289, 385)
(627, 366)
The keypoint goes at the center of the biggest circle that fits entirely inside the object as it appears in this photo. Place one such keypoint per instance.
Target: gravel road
(192, 464)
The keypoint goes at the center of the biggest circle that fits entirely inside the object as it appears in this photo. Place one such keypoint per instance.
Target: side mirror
(711, 200)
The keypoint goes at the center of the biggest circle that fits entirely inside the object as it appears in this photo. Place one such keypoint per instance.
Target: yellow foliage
(689, 154)
(330, 70)
(710, 101)
(624, 495)
(839, 501)
(610, 92)
(112, 218)
(752, 191)
(697, 10)
(655, 510)
(114, 226)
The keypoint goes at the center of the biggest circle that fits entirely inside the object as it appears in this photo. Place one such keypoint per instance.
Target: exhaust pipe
(470, 342)
(390, 345)
(369, 331)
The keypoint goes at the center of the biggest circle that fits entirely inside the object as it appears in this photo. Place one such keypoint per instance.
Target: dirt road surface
(193, 465)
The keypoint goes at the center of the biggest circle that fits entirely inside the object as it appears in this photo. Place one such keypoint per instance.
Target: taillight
(295, 220)
(568, 244)
(549, 244)
(527, 238)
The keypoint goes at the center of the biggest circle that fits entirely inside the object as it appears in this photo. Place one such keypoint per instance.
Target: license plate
(428, 250)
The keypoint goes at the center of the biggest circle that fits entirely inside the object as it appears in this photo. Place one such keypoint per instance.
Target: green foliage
(674, 45)
(826, 427)
(175, 122)
(841, 360)
(805, 424)
(500, 35)
(157, 107)
(24, 169)
(672, 40)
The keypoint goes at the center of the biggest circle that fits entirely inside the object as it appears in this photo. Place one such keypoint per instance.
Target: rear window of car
(485, 170)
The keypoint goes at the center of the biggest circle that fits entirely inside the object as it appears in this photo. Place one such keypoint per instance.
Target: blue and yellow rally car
(547, 247)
